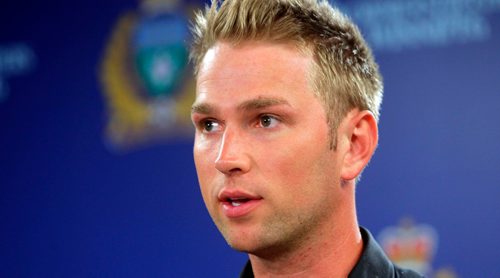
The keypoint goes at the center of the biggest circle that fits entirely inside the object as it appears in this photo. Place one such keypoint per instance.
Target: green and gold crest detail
(145, 77)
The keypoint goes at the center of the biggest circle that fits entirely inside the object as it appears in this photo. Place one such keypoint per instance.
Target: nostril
(232, 166)
(235, 170)
(230, 171)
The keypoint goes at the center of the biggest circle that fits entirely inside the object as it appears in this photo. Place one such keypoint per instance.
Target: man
(286, 112)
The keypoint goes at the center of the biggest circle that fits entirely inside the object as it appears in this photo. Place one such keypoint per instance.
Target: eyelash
(203, 124)
(273, 117)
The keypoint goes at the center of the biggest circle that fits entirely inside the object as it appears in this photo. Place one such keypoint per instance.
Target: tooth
(235, 204)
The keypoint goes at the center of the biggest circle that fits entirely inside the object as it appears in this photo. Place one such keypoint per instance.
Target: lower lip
(241, 210)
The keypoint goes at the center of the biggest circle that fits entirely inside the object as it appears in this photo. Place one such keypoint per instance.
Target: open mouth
(236, 202)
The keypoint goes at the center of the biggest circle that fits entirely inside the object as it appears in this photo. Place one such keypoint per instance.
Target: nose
(233, 158)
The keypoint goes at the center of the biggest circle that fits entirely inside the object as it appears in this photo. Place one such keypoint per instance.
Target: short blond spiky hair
(346, 75)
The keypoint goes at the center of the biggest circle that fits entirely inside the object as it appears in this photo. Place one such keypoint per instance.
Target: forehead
(253, 66)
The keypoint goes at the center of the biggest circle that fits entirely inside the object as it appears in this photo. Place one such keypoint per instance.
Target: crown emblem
(410, 245)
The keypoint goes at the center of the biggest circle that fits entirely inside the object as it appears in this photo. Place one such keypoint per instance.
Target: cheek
(203, 154)
(302, 155)
(303, 171)
(205, 178)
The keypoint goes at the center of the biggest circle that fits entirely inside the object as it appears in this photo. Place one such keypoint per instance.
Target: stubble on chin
(278, 235)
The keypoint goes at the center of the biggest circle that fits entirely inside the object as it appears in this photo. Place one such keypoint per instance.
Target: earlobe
(362, 133)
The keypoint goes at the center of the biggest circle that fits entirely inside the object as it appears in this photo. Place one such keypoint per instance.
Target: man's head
(344, 75)
(263, 147)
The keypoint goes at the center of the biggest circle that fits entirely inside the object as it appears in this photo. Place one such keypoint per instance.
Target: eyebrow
(252, 104)
(202, 108)
(261, 102)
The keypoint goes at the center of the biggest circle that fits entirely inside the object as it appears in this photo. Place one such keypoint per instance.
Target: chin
(239, 243)
(240, 247)
(257, 247)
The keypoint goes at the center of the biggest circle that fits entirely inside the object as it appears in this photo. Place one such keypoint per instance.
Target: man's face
(266, 172)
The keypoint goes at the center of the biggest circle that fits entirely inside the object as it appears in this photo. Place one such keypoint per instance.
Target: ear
(362, 134)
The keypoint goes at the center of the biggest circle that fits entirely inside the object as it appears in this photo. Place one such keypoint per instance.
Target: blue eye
(268, 121)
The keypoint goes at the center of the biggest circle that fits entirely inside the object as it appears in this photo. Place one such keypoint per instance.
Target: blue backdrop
(79, 200)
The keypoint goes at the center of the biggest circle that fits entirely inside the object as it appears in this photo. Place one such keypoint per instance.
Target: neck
(332, 251)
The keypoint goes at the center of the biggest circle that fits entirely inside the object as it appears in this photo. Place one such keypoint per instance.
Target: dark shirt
(372, 263)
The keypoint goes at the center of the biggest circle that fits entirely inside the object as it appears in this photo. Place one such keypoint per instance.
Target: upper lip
(226, 195)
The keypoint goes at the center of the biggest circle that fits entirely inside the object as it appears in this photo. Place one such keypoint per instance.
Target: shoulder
(374, 262)
(405, 273)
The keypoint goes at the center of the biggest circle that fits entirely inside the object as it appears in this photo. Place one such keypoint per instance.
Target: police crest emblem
(145, 76)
